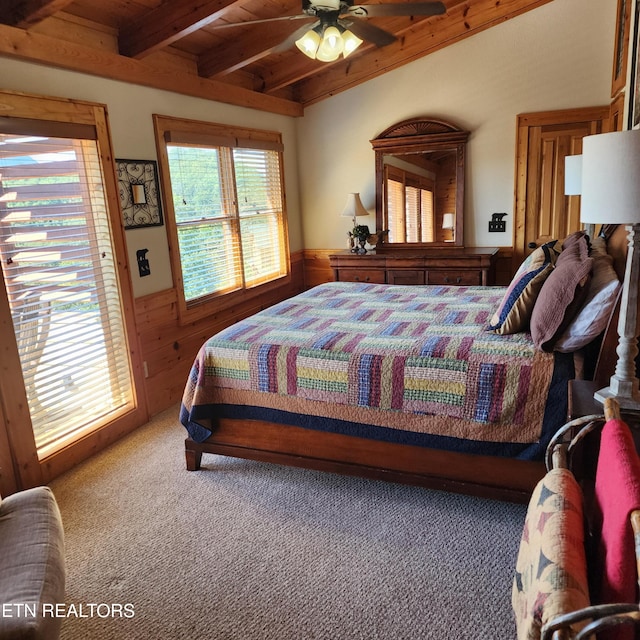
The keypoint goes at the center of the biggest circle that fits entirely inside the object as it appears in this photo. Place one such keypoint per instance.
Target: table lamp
(354, 207)
(611, 194)
(448, 224)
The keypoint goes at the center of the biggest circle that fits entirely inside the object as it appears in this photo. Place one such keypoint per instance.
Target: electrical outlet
(497, 224)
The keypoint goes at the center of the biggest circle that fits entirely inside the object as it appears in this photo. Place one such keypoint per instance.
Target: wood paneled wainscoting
(169, 348)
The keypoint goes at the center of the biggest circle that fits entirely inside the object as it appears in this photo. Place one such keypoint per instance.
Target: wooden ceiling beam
(42, 49)
(169, 22)
(283, 75)
(27, 13)
(244, 50)
(462, 20)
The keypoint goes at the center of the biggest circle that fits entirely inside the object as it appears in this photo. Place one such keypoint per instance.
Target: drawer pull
(446, 279)
(458, 280)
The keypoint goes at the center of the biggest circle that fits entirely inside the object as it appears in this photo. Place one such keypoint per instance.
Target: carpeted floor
(250, 551)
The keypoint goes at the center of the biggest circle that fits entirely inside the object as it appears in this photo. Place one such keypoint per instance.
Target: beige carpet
(250, 551)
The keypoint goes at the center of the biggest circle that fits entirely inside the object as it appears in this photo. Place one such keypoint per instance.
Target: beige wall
(555, 57)
(130, 110)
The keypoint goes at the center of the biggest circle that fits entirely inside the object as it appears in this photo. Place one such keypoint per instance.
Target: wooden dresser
(455, 266)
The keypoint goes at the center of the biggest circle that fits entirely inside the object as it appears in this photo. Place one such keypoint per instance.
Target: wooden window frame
(179, 130)
(20, 467)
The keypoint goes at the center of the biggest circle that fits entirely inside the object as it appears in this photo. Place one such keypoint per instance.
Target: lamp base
(625, 403)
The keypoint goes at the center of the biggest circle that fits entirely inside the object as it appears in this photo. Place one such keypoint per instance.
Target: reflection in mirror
(420, 183)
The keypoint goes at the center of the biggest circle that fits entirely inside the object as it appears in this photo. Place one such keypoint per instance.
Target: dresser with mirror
(419, 170)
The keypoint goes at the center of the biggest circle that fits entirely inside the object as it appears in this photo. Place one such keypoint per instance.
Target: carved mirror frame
(418, 135)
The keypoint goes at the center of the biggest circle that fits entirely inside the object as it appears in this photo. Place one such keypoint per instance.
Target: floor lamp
(611, 194)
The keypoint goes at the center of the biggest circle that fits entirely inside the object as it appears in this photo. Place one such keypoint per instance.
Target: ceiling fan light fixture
(331, 46)
(351, 42)
(309, 43)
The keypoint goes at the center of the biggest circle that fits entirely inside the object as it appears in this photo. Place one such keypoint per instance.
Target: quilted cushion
(514, 311)
(551, 569)
(562, 294)
(592, 317)
(33, 564)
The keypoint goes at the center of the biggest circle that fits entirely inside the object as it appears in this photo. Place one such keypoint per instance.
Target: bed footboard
(485, 476)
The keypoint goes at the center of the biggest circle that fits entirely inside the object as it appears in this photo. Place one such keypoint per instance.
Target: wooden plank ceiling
(183, 45)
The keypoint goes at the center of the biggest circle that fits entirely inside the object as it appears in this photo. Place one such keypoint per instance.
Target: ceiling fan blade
(370, 32)
(265, 20)
(400, 9)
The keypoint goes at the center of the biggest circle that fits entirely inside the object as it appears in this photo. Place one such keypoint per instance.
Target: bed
(403, 383)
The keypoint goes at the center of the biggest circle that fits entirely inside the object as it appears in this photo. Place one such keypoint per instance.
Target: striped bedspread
(402, 363)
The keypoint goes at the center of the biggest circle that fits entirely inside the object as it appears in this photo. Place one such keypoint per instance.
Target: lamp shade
(447, 221)
(351, 42)
(354, 207)
(331, 45)
(611, 178)
(309, 43)
(572, 175)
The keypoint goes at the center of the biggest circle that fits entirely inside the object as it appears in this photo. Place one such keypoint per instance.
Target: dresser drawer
(375, 276)
(406, 276)
(466, 278)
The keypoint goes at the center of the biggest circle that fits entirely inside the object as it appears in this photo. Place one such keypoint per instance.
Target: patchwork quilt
(400, 363)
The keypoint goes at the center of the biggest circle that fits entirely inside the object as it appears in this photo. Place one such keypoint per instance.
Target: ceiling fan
(339, 28)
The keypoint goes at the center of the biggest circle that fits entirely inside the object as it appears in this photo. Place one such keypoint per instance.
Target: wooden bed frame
(486, 476)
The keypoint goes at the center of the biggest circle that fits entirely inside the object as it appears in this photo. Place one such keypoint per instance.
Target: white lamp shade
(611, 178)
(447, 221)
(354, 207)
(573, 175)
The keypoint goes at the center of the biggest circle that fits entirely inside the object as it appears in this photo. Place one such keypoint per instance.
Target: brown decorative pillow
(576, 236)
(561, 295)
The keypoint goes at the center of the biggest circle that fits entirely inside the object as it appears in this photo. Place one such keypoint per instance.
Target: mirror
(420, 183)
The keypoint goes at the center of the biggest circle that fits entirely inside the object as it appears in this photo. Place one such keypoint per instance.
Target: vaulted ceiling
(184, 45)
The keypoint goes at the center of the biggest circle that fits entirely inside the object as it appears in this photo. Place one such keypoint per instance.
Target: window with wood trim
(225, 200)
(60, 273)
(409, 206)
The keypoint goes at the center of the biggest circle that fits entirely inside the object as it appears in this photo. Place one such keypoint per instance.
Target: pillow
(561, 295)
(514, 311)
(592, 317)
(576, 236)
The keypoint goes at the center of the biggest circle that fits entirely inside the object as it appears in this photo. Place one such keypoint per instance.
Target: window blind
(229, 214)
(427, 216)
(60, 275)
(395, 210)
(410, 206)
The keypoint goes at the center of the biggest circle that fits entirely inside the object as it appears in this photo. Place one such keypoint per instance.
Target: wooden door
(542, 211)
